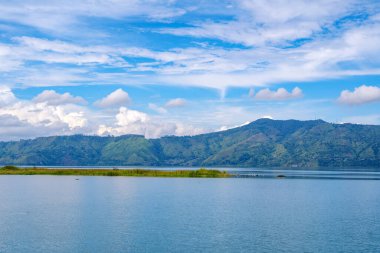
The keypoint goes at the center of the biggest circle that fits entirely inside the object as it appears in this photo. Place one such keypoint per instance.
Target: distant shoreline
(205, 173)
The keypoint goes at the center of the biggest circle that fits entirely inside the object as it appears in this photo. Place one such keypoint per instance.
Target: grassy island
(12, 170)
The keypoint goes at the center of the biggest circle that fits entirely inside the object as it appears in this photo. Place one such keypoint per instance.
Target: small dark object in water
(280, 176)
(76, 178)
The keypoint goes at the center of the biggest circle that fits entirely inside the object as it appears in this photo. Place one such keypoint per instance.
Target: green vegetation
(12, 170)
(263, 143)
(10, 167)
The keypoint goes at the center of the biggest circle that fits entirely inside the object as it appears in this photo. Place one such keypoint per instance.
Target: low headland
(13, 170)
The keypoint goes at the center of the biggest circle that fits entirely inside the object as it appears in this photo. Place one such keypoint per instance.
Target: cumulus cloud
(11, 128)
(127, 117)
(38, 114)
(279, 94)
(117, 98)
(51, 97)
(177, 102)
(30, 118)
(187, 130)
(51, 113)
(129, 121)
(361, 95)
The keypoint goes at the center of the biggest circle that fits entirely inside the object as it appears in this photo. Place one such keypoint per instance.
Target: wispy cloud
(271, 22)
(351, 51)
(65, 15)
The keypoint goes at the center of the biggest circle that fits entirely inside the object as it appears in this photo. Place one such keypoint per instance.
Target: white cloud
(187, 130)
(11, 128)
(270, 22)
(280, 94)
(45, 77)
(6, 61)
(127, 117)
(55, 51)
(209, 66)
(42, 116)
(177, 102)
(51, 97)
(117, 98)
(39, 114)
(6, 96)
(26, 119)
(157, 108)
(72, 119)
(294, 41)
(50, 45)
(64, 16)
(361, 95)
(129, 121)
(224, 128)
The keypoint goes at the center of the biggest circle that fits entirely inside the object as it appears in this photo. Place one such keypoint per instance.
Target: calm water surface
(127, 214)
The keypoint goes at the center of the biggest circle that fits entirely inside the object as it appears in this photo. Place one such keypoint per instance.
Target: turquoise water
(127, 214)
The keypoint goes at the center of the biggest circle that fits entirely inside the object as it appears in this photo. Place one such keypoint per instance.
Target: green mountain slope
(266, 143)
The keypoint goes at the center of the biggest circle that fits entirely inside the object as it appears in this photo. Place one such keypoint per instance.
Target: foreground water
(127, 214)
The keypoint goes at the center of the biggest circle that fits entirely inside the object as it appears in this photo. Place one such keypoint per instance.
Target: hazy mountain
(265, 142)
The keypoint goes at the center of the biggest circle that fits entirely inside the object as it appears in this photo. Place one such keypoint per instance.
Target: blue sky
(159, 68)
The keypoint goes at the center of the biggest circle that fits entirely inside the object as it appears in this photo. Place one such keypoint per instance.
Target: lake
(128, 214)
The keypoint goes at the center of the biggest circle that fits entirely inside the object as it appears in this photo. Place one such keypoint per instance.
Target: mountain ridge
(261, 143)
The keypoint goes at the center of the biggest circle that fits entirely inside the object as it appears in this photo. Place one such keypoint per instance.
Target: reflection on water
(307, 174)
(129, 214)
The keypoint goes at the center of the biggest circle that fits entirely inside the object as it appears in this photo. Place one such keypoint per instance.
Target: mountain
(262, 143)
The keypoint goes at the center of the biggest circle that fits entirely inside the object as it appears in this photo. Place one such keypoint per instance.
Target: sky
(157, 68)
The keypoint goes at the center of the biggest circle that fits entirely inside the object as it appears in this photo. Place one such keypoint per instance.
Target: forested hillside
(262, 143)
